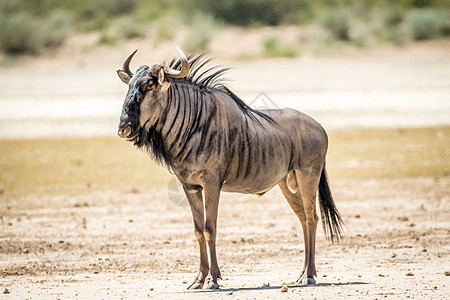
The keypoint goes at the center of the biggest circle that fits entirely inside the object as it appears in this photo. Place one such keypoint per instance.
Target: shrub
(202, 30)
(272, 47)
(23, 33)
(426, 24)
(248, 12)
(360, 33)
(337, 22)
(107, 40)
(319, 39)
(56, 28)
(129, 28)
(390, 25)
(19, 34)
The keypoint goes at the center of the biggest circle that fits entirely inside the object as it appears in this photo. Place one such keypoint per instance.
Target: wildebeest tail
(331, 220)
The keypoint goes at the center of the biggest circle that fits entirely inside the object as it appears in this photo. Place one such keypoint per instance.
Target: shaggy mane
(207, 77)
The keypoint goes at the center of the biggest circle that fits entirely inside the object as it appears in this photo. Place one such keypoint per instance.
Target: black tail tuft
(331, 220)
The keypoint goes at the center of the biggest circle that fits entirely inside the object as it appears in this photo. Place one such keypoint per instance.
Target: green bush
(319, 39)
(56, 28)
(248, 12)
(128, 28)
(337, 22)
(202, 29)
(424, 24)
(273, 48)
(107, 40)
(19, 34)
(24, 33)
(360, 33)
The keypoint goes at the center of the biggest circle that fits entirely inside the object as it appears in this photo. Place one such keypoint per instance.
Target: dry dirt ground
(126, 244)
(81, 242)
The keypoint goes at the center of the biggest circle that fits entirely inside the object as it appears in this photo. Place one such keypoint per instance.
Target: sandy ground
(127, 244)
(114, 245)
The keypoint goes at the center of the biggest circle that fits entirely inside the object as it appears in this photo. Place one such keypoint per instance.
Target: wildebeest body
(212, 141)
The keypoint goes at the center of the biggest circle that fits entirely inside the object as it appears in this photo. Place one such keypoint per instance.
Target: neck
(167, 140)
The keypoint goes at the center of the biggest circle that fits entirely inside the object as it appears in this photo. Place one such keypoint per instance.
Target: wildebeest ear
(161, 76)
(162, 80)
(124, 76)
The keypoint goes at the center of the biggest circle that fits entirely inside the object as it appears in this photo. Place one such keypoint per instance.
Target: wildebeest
(189, 121)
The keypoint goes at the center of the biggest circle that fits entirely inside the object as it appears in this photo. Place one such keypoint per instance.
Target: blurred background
(75, 199)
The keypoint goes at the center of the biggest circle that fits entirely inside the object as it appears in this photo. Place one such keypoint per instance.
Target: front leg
(196, 203)
(212, 194)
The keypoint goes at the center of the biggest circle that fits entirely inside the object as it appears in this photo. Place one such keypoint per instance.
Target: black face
(139, 85)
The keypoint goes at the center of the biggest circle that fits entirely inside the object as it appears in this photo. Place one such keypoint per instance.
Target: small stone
(381, 275)
(6, 291)
(266, 284)
(26, 250)
(409, 274)
(230, 293)
(151, 289)
(184, 281)
(284, 289)
(447, 273)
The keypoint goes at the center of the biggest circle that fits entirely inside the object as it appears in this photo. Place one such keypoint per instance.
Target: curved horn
(184, 67)
(126, 64)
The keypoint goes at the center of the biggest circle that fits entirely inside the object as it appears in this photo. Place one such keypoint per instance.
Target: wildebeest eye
(148, 85)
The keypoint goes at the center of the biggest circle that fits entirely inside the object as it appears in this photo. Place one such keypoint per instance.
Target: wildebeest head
(147, 89)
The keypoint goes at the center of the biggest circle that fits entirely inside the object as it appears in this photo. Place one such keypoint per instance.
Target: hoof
(306, 281)
(211, 285)
(195, 286)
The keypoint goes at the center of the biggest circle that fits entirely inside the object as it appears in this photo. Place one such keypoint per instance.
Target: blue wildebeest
(189, 121)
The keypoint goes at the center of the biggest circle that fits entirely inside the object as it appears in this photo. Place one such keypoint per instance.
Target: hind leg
(296, 202)
(308, 183)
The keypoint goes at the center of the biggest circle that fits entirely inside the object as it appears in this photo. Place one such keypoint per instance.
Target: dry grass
(74, 165)
(84, 164)
(389, 153)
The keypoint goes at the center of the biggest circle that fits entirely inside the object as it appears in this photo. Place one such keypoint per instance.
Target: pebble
(447, 273)
(284, 289)
(409, 274)
(6, 291)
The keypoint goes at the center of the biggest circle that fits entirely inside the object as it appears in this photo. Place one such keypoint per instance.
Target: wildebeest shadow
(275, 287)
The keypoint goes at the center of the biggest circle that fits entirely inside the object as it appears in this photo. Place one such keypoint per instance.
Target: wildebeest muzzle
(130, 115)
(125, 131)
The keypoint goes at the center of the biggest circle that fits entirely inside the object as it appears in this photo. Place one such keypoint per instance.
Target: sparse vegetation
(337, 22)
(425, 24)
(274, 48)
(57, 165)
(202, 30)
(30, 27)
